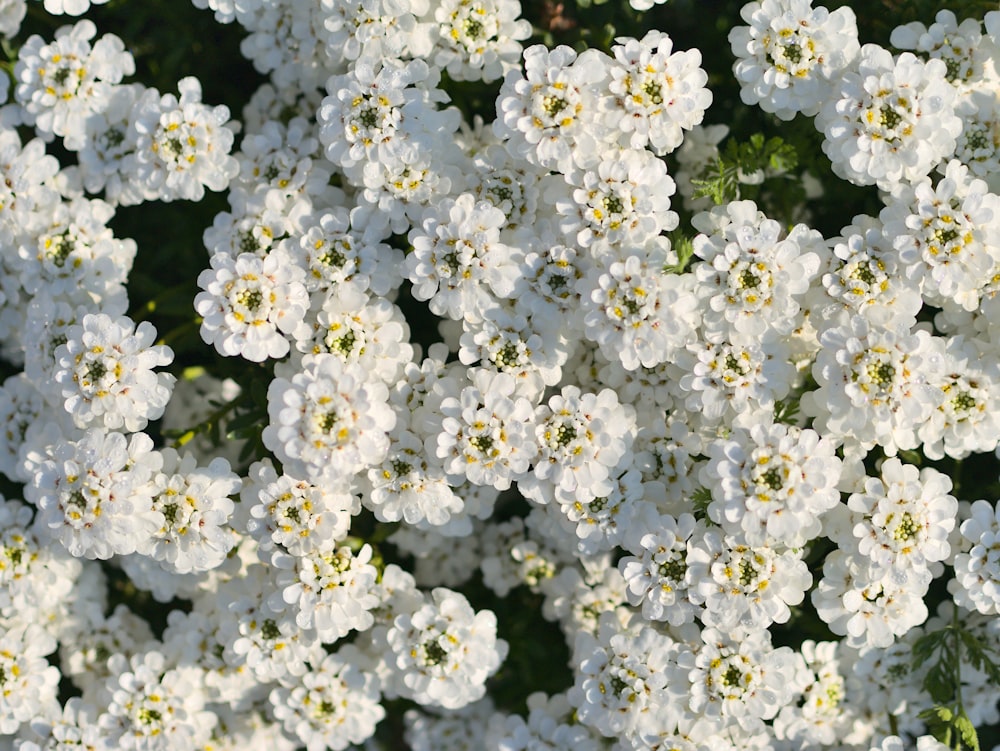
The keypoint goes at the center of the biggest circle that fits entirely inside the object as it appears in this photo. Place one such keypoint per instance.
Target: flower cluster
(683, 429)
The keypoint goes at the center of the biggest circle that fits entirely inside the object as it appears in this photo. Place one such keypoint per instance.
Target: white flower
(294, 515)
(549, 115)
(333, 254)
(872, 613)
(183, 145)
(196, 509)
(70, 7)
(410, 485)
(63, 83)
(960, 46)
(876, 384)
(105, 369)
(458, 262)
(635, 311)
(29, 683)
(95, 495)
(484, 435)
(550, 722)
(154, 708)
(902, 521)
(868, 278)
(947, 234)
(752, 277)
(329, 420)
(744, 587)
(479, 39)
(74, 256)
(659, 93)
(788, 59)
(331, 591)
(977, 572)
(772, 483)
(965, 420)
(249, 302)
(330, 706)
(581, 438)
(889, 120)
(445, 651)
(656, 573)
(624, 199)
(369, 332)
(744, 680)
(622, 678)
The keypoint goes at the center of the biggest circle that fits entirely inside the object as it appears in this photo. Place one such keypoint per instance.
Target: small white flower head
(978, 145)
(868, 279)
(550, 722)
(106, 157)
(29, 683)
(624, 200)
(21, 406)
(903, 519)
(74, 256)
(656, 573)
(331, 591)
(622, 677)
(581, 438)
(744, 587)
(61, 84)
(508, 182)
(267, 643)
(251, 306)
(744, 681)
(789, 57)
(196, 509)
(333, 254)
(12, 13)
(153, 707)
(95, 495)
(410, 485)
(378, 111)
(458, 262)
(294, 515)
(329, 420)
(753, 276)
(734, 383)
(965, 420)
(869, 613)
(70, 7)
(26, 191)
(658, 93)
(479, 40)
(772, 483)
(889, 120)
(960, 46)
(35, 576)
(369, 332)
(549, 115)
(485, 433)
(183, 145)
(828, 713)
(876, 385)
(546, 288)
(105, 370)
(633, 310)
(75, 724)
(332, 705)
(531, 351)
(946, 234)
(444, 651)
(977, 571)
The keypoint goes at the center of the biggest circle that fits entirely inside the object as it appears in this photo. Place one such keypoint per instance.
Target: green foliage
(684, 249)
(738, 172)
(945, 649)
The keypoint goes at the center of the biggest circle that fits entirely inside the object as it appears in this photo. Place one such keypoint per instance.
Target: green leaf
(786, 411)
(966, 731)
